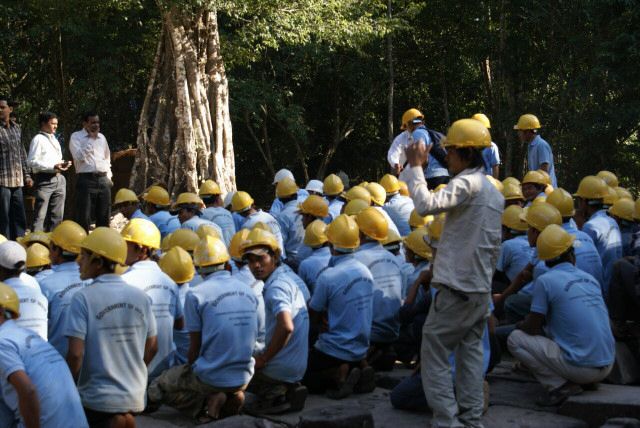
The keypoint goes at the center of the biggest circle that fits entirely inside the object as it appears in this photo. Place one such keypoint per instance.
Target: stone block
(621, 423)
(513, 417)
(609, 401)
(337, 416)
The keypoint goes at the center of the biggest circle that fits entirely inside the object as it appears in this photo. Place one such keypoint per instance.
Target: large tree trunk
(184, 130)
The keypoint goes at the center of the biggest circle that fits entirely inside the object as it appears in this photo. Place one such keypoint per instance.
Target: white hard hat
(282, 174)
(12, 255)
(314, 186)
(227, 199)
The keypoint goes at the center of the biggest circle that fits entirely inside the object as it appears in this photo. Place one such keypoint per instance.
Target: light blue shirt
(42, 275)
(304, 252)
(413, 276)
(238, 220)
(195, 222)
(491, 158)
(606, 236)
(223, 310)
(387, 290)
(587, 257)
(576, 316)
(399, 208)
(290, 221)
(147, 276)
(34, 307)
(515, 254)
(311, 267)
(263, 217)
(539, 267)
(223, 219)
(434, 168)
(139, 214)
(165, 222)
(277, 204)
(290, 275)
(539, 152)
(59, 288)
(245, 276)
(181, 337)
(114, 320)
(282, 295)
(345, 291)
(335, 206)
(22, 350)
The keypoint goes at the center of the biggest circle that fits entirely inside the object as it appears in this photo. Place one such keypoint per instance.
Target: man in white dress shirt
(92, 159)
(46, 163)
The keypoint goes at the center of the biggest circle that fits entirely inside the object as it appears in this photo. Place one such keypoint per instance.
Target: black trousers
(13, 221)
(93, 195)
(624, 291)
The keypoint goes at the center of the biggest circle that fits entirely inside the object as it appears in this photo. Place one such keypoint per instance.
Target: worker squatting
(213, 306)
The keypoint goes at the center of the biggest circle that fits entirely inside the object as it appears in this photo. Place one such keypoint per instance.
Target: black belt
(94, 174)
(43, 176)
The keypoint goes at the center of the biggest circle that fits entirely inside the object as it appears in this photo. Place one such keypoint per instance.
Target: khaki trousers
(546, 361)
(455, 323)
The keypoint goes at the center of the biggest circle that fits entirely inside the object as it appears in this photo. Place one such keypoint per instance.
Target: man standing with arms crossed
(471, 234)
(92, 159)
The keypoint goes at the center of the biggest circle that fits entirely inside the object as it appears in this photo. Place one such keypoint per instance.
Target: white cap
(314, 186)
(227, 199)
(12, 255)
(282, 174)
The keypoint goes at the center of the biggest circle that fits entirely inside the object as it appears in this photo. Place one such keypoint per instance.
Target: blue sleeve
(421, 134)
(591, 231)
(501, 265)
(544, 154)
(539, 304)
(10, 361)
(152, 327)
(320, 296)
(277, 299)
(191, 313)
(76, 324)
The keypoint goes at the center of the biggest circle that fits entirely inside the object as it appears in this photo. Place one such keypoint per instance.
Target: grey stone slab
(514, 417)
(166, 417)
(621, 423)
(337, 416)
(515, 393)
(609, 401)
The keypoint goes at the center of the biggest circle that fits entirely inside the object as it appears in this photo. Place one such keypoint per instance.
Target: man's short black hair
(567, 256)
(87, 114)
(45, 117)
(471, 154)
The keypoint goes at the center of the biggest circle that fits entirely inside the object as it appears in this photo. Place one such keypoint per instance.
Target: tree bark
(390, 93)
(184, 129)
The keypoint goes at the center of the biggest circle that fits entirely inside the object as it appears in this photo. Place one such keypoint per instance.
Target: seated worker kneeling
(35, 381)
(565, 340)
(387, 287)
(222, 323)
(344, 291)
(281, 366)
(111, 372)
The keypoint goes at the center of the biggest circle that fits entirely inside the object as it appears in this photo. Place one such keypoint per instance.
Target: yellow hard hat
(511, 218)
(636, 210)
(165, 244)
(241, 202)
(439, 187)
(332, 185)
(553, 242)
(416, 220)
(482, 118)
(9, 299)
(527, 121)
(622, 208)
(207, 230)
(189, 199)
(286, 188)
(623, 193)
(125, 195)
(611, 196)
(142, 232)
(393, 237)
(37, 256)
(354, 207)
(592, 187)
(2, 238)
(343, 233)
(39, 236)
(314, 205)
(545, 176)
(378, 193)
(404, 189)
(209, 188)
(609, 177)
(534, 177)
(467, 133)
(358, 192)
(236, 243)
(496, 183)
(106, 243)
(541, 215)
(434, 229)
(512, 191)
(538, 200)
(409, 115)
(210, 251)
(157, 195)
(563, 201)
(511, 180)
(415, 241)
(68, 235)
(390, 183)
(364, 184)
(315, 234)
(373, 224)
(187, 239)
(177, 263)
(259, 238)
